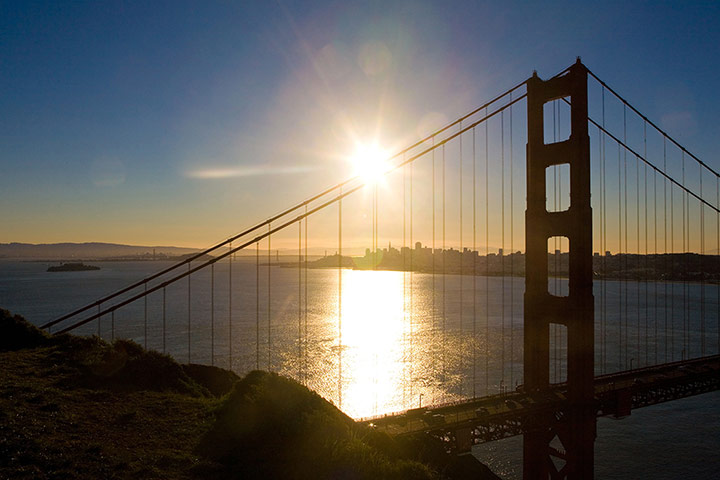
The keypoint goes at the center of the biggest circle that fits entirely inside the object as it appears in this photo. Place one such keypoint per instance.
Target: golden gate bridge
(619, 249)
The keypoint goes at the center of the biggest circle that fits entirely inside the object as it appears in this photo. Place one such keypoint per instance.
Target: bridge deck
(499, 416)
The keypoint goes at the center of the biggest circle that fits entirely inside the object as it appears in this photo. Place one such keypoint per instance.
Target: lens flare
(370, 162)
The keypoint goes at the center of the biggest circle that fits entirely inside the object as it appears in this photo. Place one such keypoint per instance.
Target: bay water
(376, 342)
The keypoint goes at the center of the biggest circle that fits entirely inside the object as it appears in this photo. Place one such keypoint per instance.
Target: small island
(72, 267)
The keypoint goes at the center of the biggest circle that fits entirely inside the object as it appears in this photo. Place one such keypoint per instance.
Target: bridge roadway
(464, 423)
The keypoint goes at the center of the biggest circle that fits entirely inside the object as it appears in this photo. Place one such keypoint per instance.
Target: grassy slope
(63, 416)
(73, 407)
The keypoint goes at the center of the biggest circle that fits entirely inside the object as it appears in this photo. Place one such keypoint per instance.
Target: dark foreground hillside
(81, 408)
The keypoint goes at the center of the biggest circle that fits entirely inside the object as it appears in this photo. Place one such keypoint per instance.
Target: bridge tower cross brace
(575, 425)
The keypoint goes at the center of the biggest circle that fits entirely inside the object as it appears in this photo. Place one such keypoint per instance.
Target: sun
(370, 162)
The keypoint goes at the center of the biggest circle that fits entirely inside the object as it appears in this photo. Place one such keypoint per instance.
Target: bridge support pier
(561, 446)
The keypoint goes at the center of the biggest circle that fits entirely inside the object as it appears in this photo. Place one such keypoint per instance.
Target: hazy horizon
(157, 125)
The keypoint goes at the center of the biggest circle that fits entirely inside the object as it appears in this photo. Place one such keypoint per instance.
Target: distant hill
(85, 251)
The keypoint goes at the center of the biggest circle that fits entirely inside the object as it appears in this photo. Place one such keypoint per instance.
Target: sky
(181, 123)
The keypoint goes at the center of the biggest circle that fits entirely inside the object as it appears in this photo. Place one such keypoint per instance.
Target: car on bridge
(481, 412)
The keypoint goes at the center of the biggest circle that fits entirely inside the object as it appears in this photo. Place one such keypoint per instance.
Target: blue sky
(183, 122)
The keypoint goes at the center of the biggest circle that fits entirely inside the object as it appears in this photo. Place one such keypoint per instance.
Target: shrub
(272, 427)
(16, 333)
(125, 365)
(218, 381)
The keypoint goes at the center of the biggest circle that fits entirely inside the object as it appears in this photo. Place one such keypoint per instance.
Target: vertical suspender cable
(627, 247)
(377, 228)
(603, 253)
(340, 344)
(412, 298)
(603, 258)
(637, 248)
(672, 275)
(656, 264)
(647, 265)
(376, 245)
(444, 258)
(619, 262)
(434, 252)
(602, 250)
(98, 322)
(145, 317)
(487, 261)
(461, 357)
(257, 305)
(212, 314)
(163, 321)
(299, 339)
(684, 257)
(269, 286)
(230, 293)
(702, 276)
(665, 250)
(474, 257)
(512, 256)
(374, 227)
(305, 313)
(404, 268)
(112, 326)
(502, 251)
(189, 317)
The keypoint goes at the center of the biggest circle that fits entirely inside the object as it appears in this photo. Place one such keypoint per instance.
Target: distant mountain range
(86, 251)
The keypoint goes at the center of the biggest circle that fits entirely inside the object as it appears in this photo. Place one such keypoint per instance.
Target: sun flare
(370, 162)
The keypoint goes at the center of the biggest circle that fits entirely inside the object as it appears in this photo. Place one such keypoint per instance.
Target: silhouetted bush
(272, 427)
(218, 381)
(17, 333)
(125, 365)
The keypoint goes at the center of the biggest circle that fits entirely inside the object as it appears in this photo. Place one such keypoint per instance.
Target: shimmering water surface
(378, 342)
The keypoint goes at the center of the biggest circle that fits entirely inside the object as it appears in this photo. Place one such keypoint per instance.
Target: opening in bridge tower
(559, 445)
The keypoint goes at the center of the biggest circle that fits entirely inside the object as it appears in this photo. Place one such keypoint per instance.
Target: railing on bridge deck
(462, 424)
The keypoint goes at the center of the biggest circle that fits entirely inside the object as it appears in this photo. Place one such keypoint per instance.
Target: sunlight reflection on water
(399, 347)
